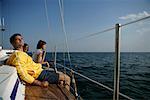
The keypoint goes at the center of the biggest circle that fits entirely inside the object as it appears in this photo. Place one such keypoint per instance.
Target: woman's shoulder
(39, 51)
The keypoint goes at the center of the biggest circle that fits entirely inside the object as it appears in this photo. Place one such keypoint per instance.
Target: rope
(61, 7)
(46, 13)
(100, 84)
(55, 60)
(144, 18)
(109, 29)
(47, 18)
(94, 34)
(63, 27)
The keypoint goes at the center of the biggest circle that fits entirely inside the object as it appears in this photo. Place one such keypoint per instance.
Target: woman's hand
(46, 64)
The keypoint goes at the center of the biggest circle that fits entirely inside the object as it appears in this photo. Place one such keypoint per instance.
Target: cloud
(135, 16)
(142, 27)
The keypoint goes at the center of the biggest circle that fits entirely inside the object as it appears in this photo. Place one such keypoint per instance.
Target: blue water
(134, 78)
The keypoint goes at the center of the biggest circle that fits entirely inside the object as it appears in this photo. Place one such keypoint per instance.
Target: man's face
(18, 42)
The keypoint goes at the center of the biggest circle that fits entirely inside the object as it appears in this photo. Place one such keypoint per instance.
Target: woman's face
(26, 49)
(44, 46)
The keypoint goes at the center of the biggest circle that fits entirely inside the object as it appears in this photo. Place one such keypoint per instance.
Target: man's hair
(12, 38)
(40, 44)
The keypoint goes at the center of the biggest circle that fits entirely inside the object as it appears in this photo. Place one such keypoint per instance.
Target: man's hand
(31, 72)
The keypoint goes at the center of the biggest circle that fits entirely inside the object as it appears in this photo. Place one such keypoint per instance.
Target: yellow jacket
(27, 69)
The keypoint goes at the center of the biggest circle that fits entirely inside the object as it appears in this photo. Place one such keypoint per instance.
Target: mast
(2, 29)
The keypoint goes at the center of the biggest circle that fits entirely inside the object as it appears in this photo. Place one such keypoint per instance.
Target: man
(32, 72)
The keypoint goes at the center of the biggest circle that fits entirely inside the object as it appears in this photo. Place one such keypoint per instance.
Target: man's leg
(54, 78)
(50, 76)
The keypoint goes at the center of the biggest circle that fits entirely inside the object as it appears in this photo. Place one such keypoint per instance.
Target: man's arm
(17, 61)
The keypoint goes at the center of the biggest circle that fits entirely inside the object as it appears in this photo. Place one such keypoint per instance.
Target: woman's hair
(25, 44)
(25, 47)
(40, 44)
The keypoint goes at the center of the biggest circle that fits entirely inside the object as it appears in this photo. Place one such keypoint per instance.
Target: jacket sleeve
(21, 70)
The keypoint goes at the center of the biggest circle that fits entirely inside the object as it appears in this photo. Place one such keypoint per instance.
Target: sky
(81, 18)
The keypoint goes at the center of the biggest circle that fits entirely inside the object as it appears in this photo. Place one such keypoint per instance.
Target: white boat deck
(10, 86)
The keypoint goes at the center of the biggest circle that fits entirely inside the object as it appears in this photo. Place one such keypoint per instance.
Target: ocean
(99, 66)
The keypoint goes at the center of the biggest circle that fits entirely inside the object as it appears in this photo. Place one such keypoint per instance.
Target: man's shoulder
(19, 54)
(13, 55)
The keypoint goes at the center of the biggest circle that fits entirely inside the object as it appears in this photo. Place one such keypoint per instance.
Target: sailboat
(12, 88)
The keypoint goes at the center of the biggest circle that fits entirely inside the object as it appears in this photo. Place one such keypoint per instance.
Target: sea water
(99, 66)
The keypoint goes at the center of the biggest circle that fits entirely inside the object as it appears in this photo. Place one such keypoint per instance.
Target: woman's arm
(40, 60)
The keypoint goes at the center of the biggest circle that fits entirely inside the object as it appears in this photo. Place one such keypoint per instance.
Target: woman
(40, 53)
(25, 47)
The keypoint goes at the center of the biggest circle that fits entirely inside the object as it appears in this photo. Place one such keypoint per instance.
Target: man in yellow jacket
(28, 70)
